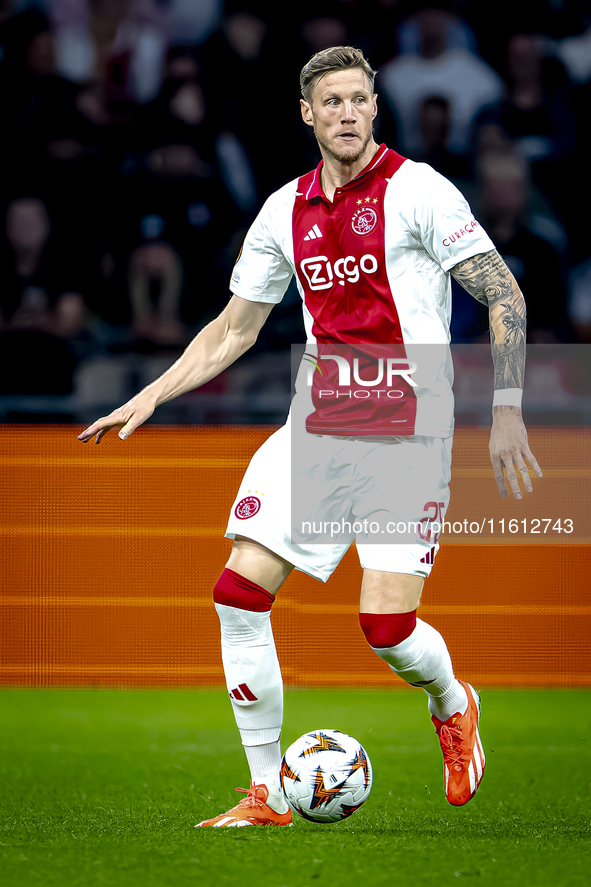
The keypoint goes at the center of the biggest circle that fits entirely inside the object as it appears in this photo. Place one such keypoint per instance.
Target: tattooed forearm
(487, 278)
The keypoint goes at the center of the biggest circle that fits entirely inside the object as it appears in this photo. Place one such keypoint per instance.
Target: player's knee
(234, 590)
(387, 629)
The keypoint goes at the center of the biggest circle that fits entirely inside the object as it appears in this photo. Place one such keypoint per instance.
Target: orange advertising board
(108, 557)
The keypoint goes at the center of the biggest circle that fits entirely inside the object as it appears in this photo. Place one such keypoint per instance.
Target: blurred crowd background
(140, 138)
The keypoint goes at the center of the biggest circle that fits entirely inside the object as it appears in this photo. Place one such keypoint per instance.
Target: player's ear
(375, 106)
(306, 109)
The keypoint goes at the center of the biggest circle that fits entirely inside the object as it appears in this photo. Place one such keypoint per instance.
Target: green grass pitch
(105, 787)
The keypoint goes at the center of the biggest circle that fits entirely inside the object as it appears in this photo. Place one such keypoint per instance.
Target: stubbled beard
(345, 157)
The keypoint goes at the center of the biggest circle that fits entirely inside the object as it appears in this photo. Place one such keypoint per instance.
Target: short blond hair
(336, 58)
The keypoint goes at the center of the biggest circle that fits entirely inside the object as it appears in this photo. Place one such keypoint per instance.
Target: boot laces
(451, 745)
(253, 798)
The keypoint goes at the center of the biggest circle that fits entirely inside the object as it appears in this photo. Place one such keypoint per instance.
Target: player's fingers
(99, 428)
(532, 461)
(102, 432)
(133, 419)
(102, 426)
(85, 435)
(129, 428)
(524, 471)
(512, 480)
(129, 416)
(499, 476)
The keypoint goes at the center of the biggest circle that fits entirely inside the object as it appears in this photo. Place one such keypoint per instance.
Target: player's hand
(130, 416)
(509, 449)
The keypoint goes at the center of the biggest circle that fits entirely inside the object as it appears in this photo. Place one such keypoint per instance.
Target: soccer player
(372, 238)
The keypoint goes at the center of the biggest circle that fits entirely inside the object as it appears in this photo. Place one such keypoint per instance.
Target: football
(326, 776)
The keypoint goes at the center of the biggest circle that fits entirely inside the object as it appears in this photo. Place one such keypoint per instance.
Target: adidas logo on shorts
(429, 557)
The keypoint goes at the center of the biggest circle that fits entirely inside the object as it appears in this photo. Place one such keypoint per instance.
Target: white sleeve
(263, 271)
(444, 221)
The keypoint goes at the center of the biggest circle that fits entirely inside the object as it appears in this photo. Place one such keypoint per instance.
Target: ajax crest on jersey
(326, 776)
(364, 221)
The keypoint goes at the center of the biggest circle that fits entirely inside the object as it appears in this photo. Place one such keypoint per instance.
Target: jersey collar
(315, 190)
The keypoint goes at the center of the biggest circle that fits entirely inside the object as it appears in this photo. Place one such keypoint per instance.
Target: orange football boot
(251, 810)
(463, 755)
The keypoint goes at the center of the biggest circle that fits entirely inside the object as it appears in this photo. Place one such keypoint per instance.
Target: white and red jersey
(372, 266)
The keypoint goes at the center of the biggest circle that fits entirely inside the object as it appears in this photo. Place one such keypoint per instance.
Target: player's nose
(348, 114)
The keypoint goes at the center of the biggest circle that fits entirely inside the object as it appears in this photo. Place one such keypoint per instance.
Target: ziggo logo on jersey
(320, 272)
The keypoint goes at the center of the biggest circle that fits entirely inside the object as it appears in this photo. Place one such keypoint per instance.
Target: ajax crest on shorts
(247, 507)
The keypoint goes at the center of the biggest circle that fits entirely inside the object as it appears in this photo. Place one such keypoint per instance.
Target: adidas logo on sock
(313, 233)
(243, 693)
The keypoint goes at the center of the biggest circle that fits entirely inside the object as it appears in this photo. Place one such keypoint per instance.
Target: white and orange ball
(326, 775)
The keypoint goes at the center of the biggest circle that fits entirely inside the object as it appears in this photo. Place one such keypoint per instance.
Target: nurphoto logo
(375, 372)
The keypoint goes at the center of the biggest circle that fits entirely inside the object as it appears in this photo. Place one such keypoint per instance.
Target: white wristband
(507, 397)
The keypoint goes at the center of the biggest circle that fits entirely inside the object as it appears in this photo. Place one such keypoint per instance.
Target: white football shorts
(308, 497)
